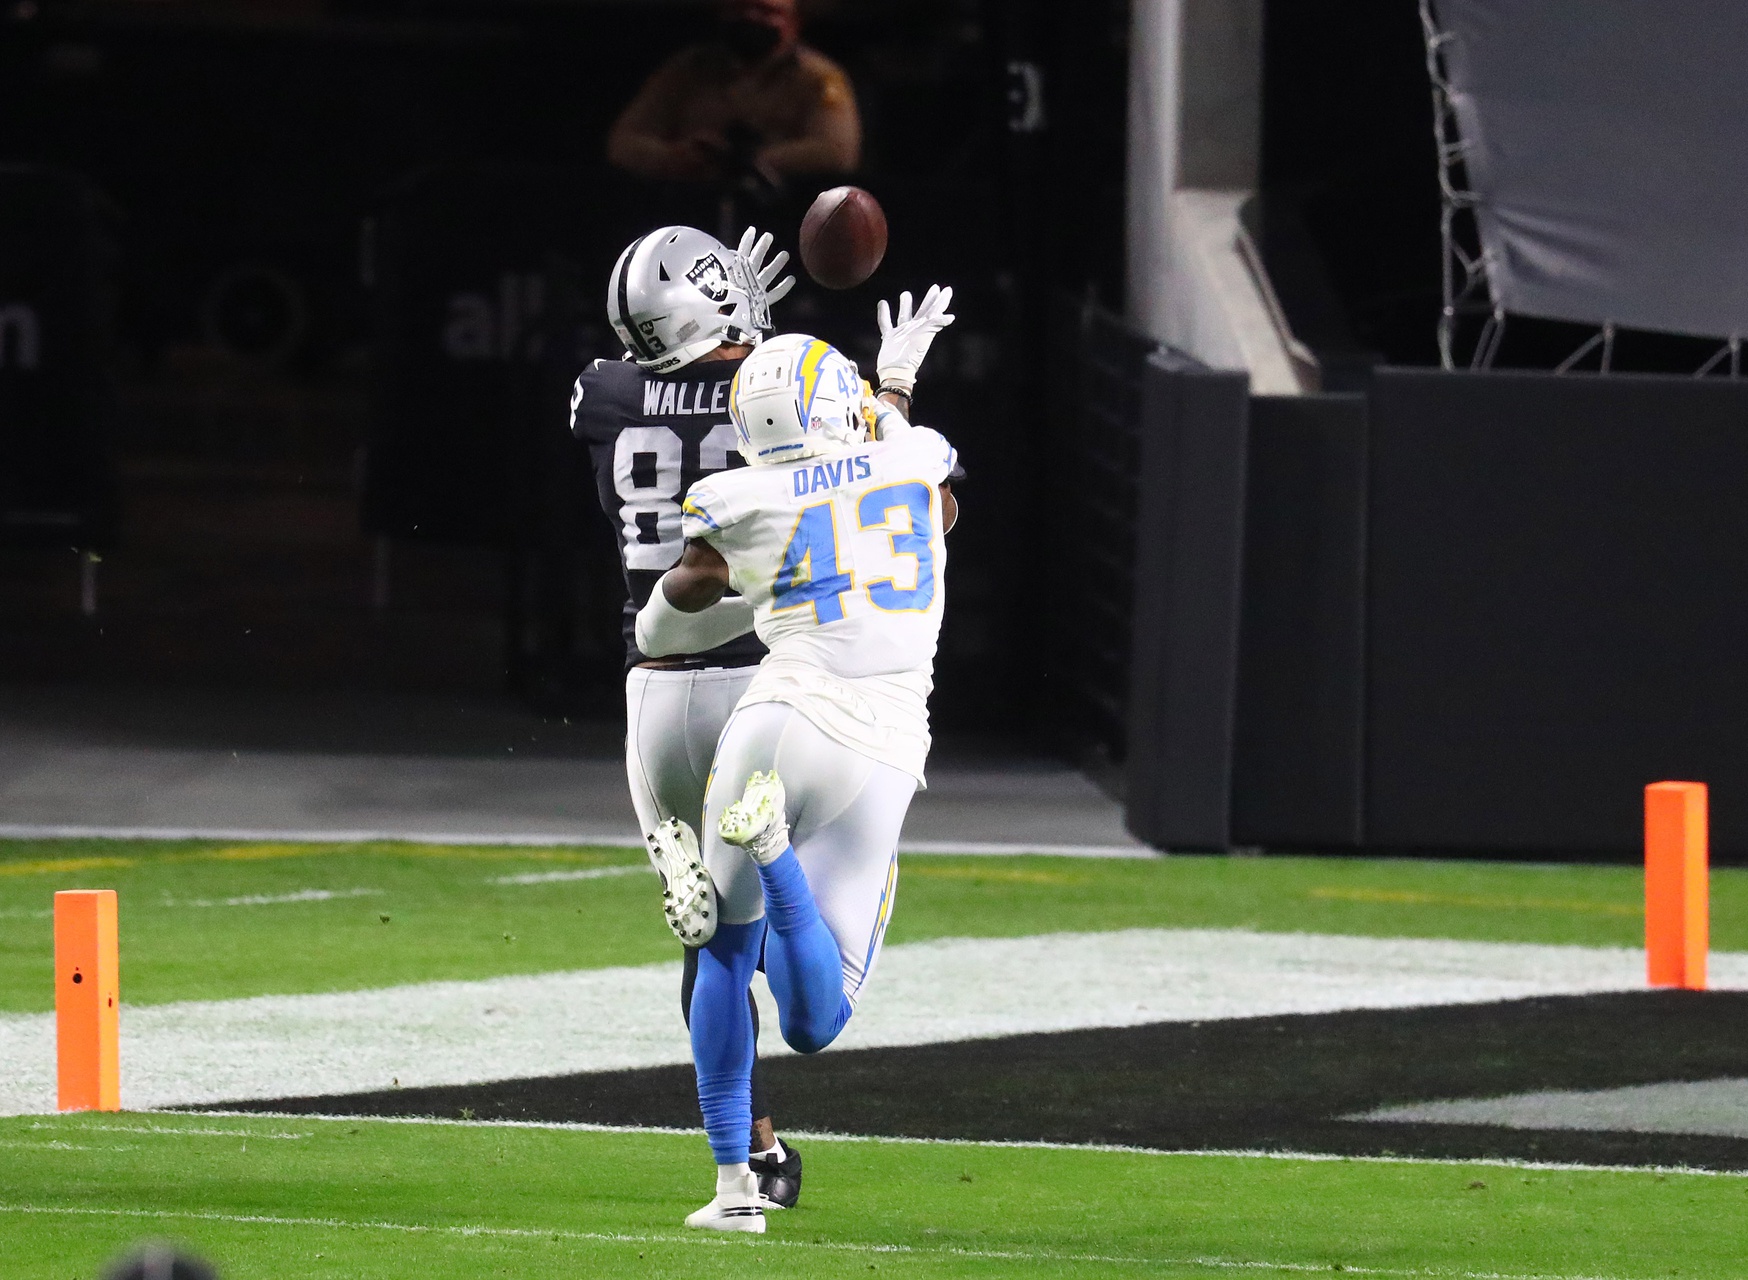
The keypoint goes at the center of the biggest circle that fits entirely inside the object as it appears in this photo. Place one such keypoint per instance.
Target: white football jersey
(843, 558)
(841, 555)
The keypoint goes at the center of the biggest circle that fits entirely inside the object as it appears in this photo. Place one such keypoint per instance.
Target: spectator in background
(752, 101)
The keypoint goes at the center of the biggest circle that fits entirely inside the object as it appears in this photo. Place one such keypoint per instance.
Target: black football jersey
(650, 437)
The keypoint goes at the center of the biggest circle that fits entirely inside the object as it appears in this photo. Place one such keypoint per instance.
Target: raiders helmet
(678, 293)
(794, 397)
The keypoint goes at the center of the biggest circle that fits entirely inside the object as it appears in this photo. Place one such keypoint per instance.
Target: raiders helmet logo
(711, 277)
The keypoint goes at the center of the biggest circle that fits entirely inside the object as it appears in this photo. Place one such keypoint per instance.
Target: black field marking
(1264, 1083)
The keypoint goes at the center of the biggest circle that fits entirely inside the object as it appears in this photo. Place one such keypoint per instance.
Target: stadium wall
(1460, 613)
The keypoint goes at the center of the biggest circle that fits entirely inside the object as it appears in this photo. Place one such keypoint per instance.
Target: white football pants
(845, 813)
(672, 722)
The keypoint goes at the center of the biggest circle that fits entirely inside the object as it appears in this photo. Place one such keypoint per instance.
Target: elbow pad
(663, 630)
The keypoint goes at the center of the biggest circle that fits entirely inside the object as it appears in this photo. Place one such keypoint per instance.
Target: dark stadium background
(242, 154)
(266, 474)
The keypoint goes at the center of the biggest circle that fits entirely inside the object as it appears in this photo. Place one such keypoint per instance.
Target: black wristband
(895, 391)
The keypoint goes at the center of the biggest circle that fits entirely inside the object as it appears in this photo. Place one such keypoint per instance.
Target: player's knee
(809, 1039)
(806, 1034)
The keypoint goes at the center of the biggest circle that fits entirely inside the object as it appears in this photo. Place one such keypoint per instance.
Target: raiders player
(688, 310)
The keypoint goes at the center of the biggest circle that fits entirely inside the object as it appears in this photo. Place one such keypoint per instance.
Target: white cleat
(688, 896)
(756, 821)
(734, 1209)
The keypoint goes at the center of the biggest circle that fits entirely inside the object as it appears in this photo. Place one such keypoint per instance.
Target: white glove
(753, 247)
(904, 344)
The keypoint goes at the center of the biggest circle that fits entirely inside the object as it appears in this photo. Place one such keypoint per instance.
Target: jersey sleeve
(929, 451)
(599, 399)
(705, 512)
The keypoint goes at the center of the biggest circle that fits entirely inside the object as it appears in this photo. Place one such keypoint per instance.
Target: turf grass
(372, 1200)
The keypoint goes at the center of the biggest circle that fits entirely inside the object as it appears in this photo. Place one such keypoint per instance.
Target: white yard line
(1096, 1148)
(165, 1130)
(272, 899)
(611, 838)
(954, 989)
(584, 873)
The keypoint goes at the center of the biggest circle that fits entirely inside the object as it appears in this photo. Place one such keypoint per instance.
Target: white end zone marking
(945, 990)
(1704, 1108)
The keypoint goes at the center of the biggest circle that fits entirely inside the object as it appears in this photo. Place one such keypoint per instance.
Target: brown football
(843, 237)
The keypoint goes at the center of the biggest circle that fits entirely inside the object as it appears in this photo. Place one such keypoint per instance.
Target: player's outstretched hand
(754, 247)
(905, 341)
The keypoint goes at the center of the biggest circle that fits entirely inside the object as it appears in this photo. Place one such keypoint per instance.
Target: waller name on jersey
(668, 399)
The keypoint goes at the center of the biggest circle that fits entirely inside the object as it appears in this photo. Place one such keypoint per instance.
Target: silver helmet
(677, 293)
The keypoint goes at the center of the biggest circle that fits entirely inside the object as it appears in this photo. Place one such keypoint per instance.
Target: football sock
(688, 980)
(801, 959)
(722, 1038)
(774, 1153)
(730, 1178)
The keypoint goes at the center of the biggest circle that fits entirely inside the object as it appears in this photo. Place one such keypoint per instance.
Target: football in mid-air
(843, 237)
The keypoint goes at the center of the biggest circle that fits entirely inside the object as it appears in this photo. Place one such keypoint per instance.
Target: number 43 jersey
(843, 558)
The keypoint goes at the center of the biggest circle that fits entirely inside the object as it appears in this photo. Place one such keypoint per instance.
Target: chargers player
(689, 310)
(837, 543)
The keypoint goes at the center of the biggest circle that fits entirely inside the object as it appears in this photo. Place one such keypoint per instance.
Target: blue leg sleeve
(801, 959)
(722, 1037)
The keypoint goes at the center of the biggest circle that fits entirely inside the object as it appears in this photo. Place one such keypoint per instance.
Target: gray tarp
(1608, 141)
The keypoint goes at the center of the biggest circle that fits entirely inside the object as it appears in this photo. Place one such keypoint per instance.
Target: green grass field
(392, 1201)
(271, 1198)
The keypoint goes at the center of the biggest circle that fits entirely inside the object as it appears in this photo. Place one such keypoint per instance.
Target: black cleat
(779, 1183)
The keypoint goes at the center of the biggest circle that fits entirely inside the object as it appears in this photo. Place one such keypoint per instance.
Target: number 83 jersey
(650, 437)
(842, 555)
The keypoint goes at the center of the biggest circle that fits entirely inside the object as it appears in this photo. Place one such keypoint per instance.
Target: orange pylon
(1677, 893)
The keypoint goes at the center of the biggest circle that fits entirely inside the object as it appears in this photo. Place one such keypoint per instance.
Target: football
(843, 237)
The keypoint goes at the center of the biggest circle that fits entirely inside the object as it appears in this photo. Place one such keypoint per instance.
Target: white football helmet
(678, 293)
(794, 397)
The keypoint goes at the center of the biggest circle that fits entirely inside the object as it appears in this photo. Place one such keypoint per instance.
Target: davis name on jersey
(841, 555)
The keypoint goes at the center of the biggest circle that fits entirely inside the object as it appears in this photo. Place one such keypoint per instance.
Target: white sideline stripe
(272, 899)
(173, 1131)
(585, 873)
(1094, 1148)
(446, 1033)
(718, 1240)
(617, 839)
(1706, 1108)
(622, 838)
(964, 848)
